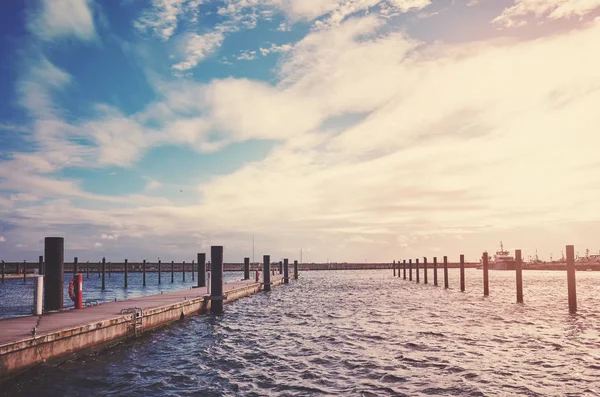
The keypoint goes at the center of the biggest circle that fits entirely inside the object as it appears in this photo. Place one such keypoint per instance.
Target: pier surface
(63, 332)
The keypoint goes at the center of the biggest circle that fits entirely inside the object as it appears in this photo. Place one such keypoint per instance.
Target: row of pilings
(407, 269)
(52, 269)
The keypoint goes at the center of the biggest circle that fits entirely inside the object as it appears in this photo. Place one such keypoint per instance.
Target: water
(359, 333)
(16, 297)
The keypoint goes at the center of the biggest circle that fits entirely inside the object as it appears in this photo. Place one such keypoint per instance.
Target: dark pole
(410, 270)
(109, 269)
(280, 267)
(445, 272)
(246, 268)
(3, 270)
(201, 270)
(435, 281)
(519, 272)
(462, 272)
(571, 284)
(486, 281)
(216, 279)
(75, 269)
(267, 272)
(24, 271)
(424, 270)
(41, 264)
(183, 269)
(144, 272)
(295, 270)
(286, 271)
(87, 269)
(103, 273)
(126, 272)
(54, 249)
(172, 271)
(193, 273)
(404, 268)
(394, 267)
(159, 273)
(417, 268)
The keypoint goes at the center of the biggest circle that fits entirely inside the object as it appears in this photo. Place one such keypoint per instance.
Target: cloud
(161, 18)
(275, 49)
(59, 19)
(2, 239)
(246, 55)
(551, 9)
(197, 47)
(153, 185)
(97, 245)
(105, 236)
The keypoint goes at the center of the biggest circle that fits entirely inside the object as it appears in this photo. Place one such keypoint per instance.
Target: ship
(503, 260)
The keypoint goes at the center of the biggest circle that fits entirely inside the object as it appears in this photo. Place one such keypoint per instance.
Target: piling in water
(280, 267)
(295, 270)
(172, 271)
(87, 269)
(24, 271)
(144, 273)
(286, 271)
(54, 249)
(394, 267)
(109, 269)
(571, 284)
(183, 270)
(159, 273)
(246, 268)
(75, 267)
(3, 270)
(486, 281)
(410, 270)
(103, 273)
(216, 279)
(267, 272)
(201, 269)
(435, 281)
(519, 274)
(445, 272)
(126, 272)
(424, 270)
(404, 268)
(193, 272)
(462, 273)
(41, 264)
(417, 269)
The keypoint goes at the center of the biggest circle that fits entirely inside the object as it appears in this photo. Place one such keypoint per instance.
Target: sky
(353, 130)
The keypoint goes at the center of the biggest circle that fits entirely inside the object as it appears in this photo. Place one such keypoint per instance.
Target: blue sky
(353, 129)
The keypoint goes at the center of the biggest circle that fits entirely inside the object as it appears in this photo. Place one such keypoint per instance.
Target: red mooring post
(519, 274)
(571, 284)
(486, 284)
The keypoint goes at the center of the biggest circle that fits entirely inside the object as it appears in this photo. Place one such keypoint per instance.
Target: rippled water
(362, 333)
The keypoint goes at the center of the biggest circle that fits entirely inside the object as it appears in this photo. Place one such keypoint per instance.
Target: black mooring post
(75, 267)
(3, 270)
(286, 271)
(398, 268)
(87, 269)
(126, 272)
(54, 249)
(571, 282)
(280, 267)
(462, 272)
(295, 270)
(201, 270)
(144, 273)
(41, 264)
(435, 281)
(159, 273)
(99, 269)
(424, 270)
(445, 272)
(246, 268)
(417, 268)
(404, 268)
(410, 270)
(109, 268)
(519, 274)
(103, 273)
(267, 272)
(172, 271)
(216, 279)
(183, 270)
(394, 267)
(24, 271)
(486, 282)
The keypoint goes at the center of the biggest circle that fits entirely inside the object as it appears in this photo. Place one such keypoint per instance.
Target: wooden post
(410, 270)
(286, 271)
(24, 271)
(267, 272)
(417, 269)
(103, 273)
(571, 284)
(394, 267)
(445, 272)
(144, 273)
(159, 273)
(404, 268)
(462, 272)
(75, 267)
(3, 270)
(435, 281)
(280, 267)
(486, 282)
(193, 273)
(201, 270)
(295, 270)
(246, 268)
(172, 271)
(519, 274)
(424, 270)
(87, 269)
(216, 277)
(183, 270)
(126, 272)
(54, 249)
(109, 268)
(41, 264)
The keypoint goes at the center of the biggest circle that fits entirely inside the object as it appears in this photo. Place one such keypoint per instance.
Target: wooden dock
(59, 334)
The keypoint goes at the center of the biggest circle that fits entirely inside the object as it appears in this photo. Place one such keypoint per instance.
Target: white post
(38, 295)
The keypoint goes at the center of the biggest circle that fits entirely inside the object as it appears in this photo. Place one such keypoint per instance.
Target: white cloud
(161, 18)
(61, 18)
(2, 239)
(246, 55)
(105, 236)
(551, 9)
(197, 47)
(153, 185)
(275, 49)
(97, 245)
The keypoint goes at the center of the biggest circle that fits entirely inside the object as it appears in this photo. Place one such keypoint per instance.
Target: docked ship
(503, 260)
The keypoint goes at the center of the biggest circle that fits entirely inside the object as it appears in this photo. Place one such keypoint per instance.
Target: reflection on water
(359, 333)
